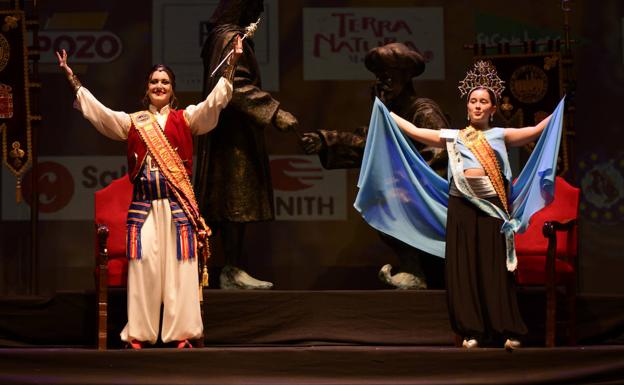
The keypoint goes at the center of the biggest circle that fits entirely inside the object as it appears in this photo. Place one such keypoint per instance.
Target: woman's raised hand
(238, 50)
(62, 58)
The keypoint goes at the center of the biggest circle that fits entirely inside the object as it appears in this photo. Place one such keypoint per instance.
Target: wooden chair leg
(551, 293)
(571, 299)
(101, 288)
(102, 321)
(551, 315)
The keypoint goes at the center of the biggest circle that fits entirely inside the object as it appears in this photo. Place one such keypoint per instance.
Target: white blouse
(115, 125)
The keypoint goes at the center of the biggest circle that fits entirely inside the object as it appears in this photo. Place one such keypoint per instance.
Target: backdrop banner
(14, 96)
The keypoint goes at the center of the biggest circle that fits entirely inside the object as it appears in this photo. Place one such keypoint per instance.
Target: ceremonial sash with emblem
(177, 182)
(476, 142)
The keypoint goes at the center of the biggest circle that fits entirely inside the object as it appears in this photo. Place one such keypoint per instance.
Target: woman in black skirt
(480, 286)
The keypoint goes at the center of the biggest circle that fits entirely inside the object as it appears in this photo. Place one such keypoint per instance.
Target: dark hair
(173, 102)
(489, 91)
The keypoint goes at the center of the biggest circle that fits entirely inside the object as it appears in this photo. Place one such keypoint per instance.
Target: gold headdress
(483, 74)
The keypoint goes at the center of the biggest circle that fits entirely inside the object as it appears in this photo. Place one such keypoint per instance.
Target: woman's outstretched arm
(520, 136)
(422, 135)
(113, 124)
(204, 116)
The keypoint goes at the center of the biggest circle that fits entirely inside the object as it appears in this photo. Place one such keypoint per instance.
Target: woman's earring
(468, 117)
(492, 118)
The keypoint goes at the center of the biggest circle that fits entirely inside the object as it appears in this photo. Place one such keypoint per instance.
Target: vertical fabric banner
(14, 96)
(533, 87)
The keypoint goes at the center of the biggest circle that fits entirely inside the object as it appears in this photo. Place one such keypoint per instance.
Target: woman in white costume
(164, 225)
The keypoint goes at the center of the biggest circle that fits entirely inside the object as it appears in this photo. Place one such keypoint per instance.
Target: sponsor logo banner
(82, 46)
(305, 191)
(66, 187)
(82, 35)
(180, 29)
(494, 29)
(335, 40)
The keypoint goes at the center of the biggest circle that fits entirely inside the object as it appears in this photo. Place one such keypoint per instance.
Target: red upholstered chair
(111, 209)
(547, 254)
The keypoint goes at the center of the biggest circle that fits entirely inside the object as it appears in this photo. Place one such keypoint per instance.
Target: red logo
(56, 187)
(291, 174)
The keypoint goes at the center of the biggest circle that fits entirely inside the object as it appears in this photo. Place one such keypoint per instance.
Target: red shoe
(184, 345)
(135, 344)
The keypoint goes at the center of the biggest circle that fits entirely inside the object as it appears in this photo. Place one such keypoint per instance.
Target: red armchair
(547, 256)
(111, 210)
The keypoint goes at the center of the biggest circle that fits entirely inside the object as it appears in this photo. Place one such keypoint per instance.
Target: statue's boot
(401, 280)
(234, 278)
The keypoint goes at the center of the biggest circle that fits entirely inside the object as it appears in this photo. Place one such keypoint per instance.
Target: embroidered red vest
(179, 136)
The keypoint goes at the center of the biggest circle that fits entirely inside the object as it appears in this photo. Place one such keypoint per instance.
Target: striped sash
(151, 186)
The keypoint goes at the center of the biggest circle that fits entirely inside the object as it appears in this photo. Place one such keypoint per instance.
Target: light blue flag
(400, 195)
(535, 186)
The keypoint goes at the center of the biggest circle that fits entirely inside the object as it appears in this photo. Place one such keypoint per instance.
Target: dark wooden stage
(304, 337)
(314, 365)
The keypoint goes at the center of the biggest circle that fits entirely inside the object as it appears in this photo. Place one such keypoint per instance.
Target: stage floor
(314, 365)
(244, 318)
(304, 337)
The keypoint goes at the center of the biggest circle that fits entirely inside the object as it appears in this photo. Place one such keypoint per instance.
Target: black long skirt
(481, 291)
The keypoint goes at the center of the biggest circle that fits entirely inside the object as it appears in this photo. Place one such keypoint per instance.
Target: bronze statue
(395, 66)
(233, 181)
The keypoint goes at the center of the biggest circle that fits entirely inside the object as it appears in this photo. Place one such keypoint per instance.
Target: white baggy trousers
(160, 278)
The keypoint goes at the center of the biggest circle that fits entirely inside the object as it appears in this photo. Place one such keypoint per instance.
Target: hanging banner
(533, 87)
(179, 30)
(66, 186)
(305, 191)
(14, 96)
(492, 29)
(336, 40)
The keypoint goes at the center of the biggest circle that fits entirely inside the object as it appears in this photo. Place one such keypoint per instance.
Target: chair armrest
(551, 227)
(102, 236)
(550, 230)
